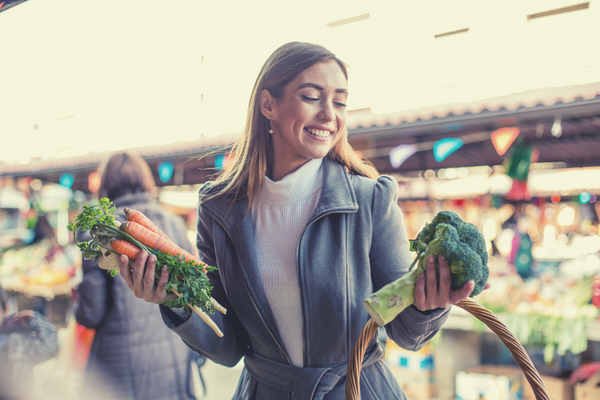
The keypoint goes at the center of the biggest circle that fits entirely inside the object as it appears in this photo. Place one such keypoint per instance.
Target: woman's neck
(279, 169)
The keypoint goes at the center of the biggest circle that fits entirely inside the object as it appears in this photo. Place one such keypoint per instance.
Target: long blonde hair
(248, 158)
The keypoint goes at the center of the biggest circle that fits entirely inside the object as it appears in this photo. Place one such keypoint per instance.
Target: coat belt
(304, 383)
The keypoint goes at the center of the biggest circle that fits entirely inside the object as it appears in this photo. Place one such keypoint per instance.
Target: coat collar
(337, 195)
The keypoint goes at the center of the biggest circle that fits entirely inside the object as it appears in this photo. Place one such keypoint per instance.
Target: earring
(271, 127)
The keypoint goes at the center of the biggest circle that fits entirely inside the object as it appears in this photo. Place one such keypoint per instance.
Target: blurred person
(301, 231)
(134, 356)
(26, 339)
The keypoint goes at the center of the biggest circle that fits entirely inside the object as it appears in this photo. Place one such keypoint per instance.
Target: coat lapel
(337, 193)
(238, 223)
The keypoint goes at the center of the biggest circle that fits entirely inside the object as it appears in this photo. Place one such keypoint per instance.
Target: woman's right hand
(141, 280)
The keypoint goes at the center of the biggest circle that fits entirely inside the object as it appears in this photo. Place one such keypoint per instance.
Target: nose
(327, 112)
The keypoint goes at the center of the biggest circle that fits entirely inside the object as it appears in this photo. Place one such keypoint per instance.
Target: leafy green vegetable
(185, 277)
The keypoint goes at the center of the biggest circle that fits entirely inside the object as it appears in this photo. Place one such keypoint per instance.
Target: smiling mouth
(318, 132)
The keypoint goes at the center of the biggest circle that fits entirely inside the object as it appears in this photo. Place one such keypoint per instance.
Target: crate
(413, 370)
(590, 389)
(557, 388)
(490, 382)
(416, 385)
(412, 361)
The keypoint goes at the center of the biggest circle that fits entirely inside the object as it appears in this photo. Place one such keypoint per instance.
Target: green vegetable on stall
(459, 242)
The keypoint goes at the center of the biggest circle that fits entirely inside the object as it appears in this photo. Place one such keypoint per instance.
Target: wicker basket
(481, 313)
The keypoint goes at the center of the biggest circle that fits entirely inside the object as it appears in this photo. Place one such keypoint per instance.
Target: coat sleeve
(390, 260)
(229, 349)
(92, 305)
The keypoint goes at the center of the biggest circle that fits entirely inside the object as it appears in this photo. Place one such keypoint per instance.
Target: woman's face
(310, 118)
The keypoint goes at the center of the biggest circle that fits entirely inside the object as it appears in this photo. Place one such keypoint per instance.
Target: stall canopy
(5, 5)
(561, 123)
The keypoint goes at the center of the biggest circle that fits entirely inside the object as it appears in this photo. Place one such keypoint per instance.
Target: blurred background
(489, 109)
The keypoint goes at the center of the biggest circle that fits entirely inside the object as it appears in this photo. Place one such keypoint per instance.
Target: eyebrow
(319, 87)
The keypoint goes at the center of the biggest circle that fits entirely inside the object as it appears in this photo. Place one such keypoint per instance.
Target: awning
(575, 107)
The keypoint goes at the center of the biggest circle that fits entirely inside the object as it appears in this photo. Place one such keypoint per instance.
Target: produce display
(110, 239)
(459, 242)
(39, 269)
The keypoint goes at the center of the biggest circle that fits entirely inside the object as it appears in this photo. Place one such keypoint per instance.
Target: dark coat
(354, 244)
(133, 353)
(23, 345)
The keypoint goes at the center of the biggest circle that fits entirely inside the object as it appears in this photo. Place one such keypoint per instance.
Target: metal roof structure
(576, 109)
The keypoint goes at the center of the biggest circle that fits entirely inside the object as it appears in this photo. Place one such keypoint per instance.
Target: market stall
(38, 265)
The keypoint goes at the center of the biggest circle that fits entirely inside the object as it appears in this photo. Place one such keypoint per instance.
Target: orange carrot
(140, 218)
(125, 247)
(156, 242)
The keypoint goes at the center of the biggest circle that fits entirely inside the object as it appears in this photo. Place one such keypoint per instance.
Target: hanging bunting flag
(94, 180)
(401, 153)
(165, 171)
(518, 161)
(503, 138)
(222, 161)
(444, 147)
(219, 161)
(66, 180)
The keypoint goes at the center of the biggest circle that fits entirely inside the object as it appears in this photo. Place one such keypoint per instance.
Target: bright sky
(80, 76)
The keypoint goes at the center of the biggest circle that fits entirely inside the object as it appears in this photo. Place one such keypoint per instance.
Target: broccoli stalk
(393, 298)
(459, 242)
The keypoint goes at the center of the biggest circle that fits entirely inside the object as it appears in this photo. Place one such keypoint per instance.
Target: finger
(125, 272)
(445, 281)
(164, 278)
(463, 293)
(138, 273)
(487, 286)
(148, 279)
(431, 289)
(161, 294)
(420, 297)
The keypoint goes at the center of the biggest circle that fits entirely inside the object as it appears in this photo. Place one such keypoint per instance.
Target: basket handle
(478, 311)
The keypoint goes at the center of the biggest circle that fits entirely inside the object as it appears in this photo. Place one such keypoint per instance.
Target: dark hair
(249, 163)
(125, 173)
(3, 299)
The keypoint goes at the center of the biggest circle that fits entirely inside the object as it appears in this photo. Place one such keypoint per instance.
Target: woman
(301, 231)
(133, 355)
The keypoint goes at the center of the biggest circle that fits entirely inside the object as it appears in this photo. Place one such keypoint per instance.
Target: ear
(267, 104)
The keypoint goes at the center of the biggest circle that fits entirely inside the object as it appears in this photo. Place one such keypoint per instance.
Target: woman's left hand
(431, 294)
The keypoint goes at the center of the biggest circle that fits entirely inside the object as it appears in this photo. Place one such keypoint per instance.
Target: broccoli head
(460, 243)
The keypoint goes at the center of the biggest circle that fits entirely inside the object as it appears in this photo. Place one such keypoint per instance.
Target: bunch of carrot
(141, 228)
(110, 239)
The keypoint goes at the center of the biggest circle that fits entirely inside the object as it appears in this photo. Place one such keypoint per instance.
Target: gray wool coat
(354, 244)
(133, 356)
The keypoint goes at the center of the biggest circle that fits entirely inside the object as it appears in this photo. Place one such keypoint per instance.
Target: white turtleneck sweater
(279, 215)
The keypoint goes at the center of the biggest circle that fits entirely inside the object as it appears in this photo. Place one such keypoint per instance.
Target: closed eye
(310, 98)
